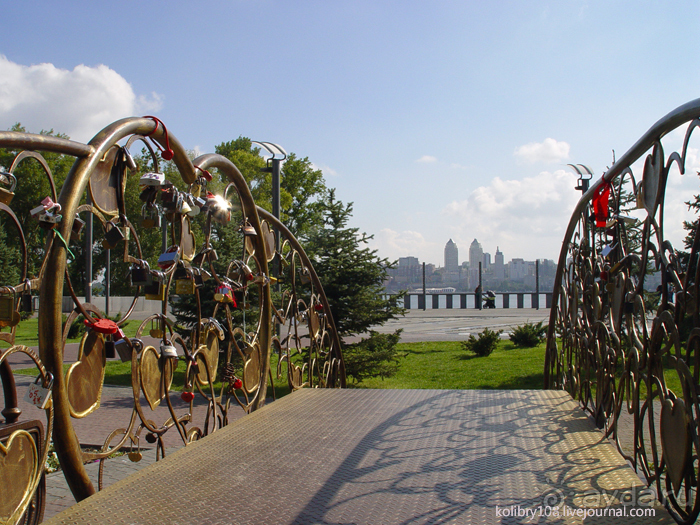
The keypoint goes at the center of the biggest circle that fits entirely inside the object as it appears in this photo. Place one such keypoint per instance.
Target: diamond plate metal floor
(385, 457)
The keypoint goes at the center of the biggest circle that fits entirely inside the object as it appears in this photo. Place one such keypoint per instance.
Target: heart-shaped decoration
(19, 475)
(675, 439)
(295, 375)
(85, 377)
(314, 323)
(208, 358)
(251, 371)
(151, 373)
(651, 178)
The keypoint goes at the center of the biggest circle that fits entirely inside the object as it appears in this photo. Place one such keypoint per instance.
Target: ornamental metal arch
(226, 357)
(628, 350)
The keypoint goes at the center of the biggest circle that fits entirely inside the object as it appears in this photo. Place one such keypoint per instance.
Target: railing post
(448, 301)
(407, 301)
(506, 300)
(521, 300)
(436, 301)
(463, 301)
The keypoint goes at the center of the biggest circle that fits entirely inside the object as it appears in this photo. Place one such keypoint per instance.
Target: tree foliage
(352, 274)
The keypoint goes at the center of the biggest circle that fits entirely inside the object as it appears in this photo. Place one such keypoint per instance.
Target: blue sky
(437, 119)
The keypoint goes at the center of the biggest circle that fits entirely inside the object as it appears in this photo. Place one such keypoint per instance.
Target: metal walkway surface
(387, 457)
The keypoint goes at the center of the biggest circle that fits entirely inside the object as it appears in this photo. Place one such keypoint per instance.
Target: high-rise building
(451, 257)
(499, 269)
(476, 255)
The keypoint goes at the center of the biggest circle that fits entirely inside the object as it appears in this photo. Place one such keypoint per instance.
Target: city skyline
(455, 117)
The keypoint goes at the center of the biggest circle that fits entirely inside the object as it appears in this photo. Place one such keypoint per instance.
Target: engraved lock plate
(6, 194)
(184, 286)
(26, 303)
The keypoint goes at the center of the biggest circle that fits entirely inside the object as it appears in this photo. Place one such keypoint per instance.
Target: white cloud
(427, 159)
(79, 102)
(392, 244)
(527, 217)
(328, 171)
(549, 151)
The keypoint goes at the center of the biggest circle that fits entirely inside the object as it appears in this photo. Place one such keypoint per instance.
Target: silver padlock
(167, 349)
(150, 216)
(38, 394)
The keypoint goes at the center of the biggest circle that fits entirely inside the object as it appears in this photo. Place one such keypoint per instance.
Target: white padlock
(37, 394)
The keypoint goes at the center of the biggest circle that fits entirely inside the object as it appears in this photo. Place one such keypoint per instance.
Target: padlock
(200, 276)
(6, 194)
(155, 291)
(248, 230)
(78, 224)
(26, 303)
(170, 198)
(152, 179)
(170, 257)
(113, 236)
(184, 207)
(123, 348)
(196, 189)
(141, 274)
(224, 295)
(156, 330)
(184, 286)
(38, 394)
(9, 315)
(167, 349)
(110, 351)
(150, 216)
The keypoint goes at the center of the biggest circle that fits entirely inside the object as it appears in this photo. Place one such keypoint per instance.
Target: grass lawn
(430, 365)
(446, 365)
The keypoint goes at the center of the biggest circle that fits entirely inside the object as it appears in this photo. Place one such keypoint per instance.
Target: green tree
(353, 276)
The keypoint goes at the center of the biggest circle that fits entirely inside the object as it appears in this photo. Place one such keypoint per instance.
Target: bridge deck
(382, 457)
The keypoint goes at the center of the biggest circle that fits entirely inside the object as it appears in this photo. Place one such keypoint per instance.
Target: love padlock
(155, 291)
(38, 394)
(150, 216)
(113, 236)
(167, 349)
(26, 302)
(6, 194)
(152, 179)
(141, 274)
(170, 257)
(9, 315)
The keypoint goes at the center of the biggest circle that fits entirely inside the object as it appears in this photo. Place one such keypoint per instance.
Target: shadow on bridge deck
(384, 457)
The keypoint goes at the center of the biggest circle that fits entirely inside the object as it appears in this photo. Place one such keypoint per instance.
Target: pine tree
(353, 277)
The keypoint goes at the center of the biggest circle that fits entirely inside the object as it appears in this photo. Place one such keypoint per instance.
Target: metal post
(88, 254)
(423, 286)
(481, 290)
(537, 283)
(107, 279)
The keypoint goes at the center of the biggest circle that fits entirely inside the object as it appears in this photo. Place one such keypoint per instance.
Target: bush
(529, 334)
(375, 356)
(485, 344)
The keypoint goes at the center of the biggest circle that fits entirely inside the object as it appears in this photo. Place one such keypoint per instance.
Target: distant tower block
(476, 254)
(451, 257)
